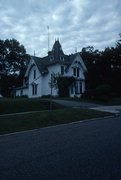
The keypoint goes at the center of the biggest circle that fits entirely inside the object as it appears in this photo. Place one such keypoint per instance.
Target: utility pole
(48, 39)
(34, 53)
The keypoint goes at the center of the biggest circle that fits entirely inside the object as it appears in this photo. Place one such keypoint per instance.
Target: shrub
(46, 96)
(63, 84)
(23, 96)
(101, 93)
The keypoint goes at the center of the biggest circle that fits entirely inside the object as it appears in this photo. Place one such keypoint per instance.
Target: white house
(38, 73)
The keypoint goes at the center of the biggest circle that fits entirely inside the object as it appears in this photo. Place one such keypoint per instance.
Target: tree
(13, 57)
(62, 83)
(13, 61)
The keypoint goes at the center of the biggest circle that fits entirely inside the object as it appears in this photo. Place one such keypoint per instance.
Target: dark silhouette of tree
(13, 56)
(13, 62)
(104, 67)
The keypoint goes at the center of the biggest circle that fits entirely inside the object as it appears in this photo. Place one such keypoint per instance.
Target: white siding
(42, 81)
(47, 78)
(37, 80)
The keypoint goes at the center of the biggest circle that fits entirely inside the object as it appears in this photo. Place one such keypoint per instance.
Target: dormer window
(51, 58)
(61, 58)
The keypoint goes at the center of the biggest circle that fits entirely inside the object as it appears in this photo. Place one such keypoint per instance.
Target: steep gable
(56, 56)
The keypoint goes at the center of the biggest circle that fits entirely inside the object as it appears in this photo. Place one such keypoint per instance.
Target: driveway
(87, 151)
(112, 109)
(76, 103)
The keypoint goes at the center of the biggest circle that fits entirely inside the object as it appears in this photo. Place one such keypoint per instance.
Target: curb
(47, 127)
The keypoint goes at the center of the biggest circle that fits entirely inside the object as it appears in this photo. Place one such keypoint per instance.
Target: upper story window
(62, 70)
(61, 58)
(76, 71)
(34, 74)
(51, 58)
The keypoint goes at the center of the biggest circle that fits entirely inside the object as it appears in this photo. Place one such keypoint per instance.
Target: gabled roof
(56, 56)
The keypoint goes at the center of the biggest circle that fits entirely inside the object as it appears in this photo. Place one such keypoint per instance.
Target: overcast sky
(77, 23)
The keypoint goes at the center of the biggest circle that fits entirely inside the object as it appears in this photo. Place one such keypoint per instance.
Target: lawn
(9, 105)
(20, 122)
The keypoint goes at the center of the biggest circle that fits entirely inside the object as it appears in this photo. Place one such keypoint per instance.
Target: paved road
(82, 151)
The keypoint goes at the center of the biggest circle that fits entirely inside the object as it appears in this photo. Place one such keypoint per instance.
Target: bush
(63, 84)
(46, 96)
(23, 96)
(102, 93)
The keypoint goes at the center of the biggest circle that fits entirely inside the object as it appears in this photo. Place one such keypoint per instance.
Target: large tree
(104, 67)
(13, 61)
(13, 57)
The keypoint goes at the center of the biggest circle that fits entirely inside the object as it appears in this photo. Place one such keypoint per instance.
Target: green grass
(23, 105)
(21, 122)
(111, 102)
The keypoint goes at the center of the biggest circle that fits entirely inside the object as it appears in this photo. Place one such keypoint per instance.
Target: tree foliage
(13, 61)
(62, 83)
(104, 67)
(13, 57)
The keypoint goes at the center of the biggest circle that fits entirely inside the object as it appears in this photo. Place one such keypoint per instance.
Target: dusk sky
(77, 23)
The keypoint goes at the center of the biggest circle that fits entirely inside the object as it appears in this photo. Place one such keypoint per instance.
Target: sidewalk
(112, 109)
(11, 114)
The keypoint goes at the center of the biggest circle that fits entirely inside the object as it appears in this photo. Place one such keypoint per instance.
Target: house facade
(39, 72)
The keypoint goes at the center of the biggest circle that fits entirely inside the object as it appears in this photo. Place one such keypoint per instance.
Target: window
(34, 74)
(74, 71)
(21, 92)
(61, 58)
(77, 72)
(62, 70)
(34, 89)
(76, 88)
(72, 89)
(51, 58)
(80, 87)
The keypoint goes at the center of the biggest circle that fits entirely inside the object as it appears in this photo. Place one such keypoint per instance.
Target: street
(83, 150)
